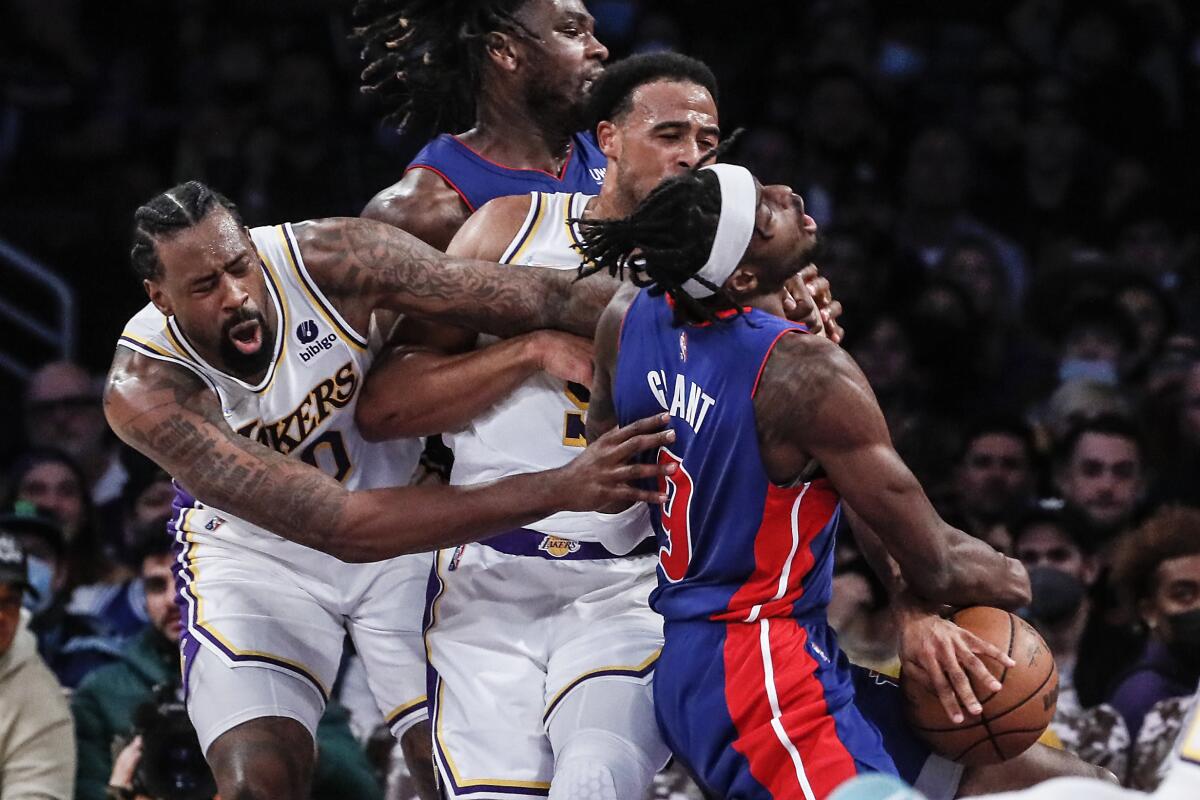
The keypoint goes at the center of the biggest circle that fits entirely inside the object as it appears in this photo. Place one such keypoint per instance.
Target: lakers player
(564, 704)
(241, 378)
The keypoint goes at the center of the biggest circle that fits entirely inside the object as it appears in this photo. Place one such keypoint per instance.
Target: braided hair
(424, 58)
(176, 209)
(666, 240)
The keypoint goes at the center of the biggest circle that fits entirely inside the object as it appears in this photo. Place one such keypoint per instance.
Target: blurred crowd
(1002, 191)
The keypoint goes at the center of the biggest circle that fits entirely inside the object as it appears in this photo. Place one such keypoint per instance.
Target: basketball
(1014, 717)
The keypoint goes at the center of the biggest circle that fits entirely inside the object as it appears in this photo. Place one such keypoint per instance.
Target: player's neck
(770, 303)
(506, 132)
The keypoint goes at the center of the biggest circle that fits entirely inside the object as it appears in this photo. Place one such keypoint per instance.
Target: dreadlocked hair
(666, 240)
(423, 58)
(174, 210)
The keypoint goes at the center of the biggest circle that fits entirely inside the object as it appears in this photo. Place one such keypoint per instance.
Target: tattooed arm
(814, 403)
(432, 379)
(362, 265)
(173, 418)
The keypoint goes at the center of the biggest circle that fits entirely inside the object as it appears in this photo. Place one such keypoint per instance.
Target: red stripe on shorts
(802, 741)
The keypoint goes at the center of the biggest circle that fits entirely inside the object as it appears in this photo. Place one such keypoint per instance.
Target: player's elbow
(374, 422)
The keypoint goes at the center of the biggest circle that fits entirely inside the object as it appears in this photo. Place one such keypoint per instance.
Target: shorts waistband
(526, 542)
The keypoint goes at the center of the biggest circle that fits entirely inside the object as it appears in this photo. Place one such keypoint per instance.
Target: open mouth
(246, 336)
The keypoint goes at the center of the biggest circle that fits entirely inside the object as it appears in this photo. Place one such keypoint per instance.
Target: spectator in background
(1098, 342)
(104, 704)
(37, 749)
(1154, 318)
(52, 481)
(1181, 463)
(62, 410)
(845, 144)
(1061, 573)
(1102, 477)
(1157, 571)
(933, 212)
(996, 473)
(40, 536)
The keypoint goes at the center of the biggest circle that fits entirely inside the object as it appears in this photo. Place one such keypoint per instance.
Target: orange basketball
(1014, 717)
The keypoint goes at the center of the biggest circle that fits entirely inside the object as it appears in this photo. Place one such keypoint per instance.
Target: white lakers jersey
(304, 405)
(541, 424)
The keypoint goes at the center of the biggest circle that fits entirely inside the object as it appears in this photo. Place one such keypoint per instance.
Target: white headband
(739, 206)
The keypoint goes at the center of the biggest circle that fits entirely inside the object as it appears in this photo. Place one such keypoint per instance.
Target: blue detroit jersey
(478, 179)
(734, 547)
(751, 691)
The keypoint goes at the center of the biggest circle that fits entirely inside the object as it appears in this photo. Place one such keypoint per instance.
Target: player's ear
(501, 51)
(609, 139)
(157, 296)
(743, 281)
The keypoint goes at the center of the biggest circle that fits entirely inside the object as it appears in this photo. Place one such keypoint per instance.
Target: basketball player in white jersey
(241, 378)
(541, 641)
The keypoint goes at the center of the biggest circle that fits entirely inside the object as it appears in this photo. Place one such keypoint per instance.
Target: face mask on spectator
(1056, 594)
(1096, 370)
(1185, 638)
(41, 576)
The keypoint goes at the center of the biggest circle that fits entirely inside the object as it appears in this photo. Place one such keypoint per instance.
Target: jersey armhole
(461, 195)
(328, 310)
(767, 355)
(533, 219)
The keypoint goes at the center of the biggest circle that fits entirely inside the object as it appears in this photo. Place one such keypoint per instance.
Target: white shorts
(509, 638)
(259, 602)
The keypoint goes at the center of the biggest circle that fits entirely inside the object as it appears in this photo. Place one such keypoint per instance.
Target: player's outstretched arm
(172, 417)
(431, 379)
(814, 400)
(363, 265)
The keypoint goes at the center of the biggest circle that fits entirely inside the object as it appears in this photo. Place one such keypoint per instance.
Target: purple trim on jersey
(187, 601)
(478, 179)
(444, 771)
(526, 542)
(601, 673)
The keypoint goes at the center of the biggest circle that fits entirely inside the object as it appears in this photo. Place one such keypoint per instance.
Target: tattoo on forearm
(250, 481)
(376, 262)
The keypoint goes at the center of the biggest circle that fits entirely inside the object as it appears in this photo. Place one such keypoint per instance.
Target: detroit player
(557, 611)
(241, 378)
(751, 691)
(513, 72)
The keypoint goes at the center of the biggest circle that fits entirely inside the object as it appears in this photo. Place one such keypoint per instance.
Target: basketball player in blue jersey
(751, 691)
(501, 82)
(240, 378)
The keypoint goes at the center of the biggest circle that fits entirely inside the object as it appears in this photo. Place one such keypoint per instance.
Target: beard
(246, 363)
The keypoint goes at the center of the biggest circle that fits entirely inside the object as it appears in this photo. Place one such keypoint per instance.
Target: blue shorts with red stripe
(763, 710)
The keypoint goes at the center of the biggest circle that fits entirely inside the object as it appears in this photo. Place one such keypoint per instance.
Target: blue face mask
(41, 578)
(1087, 369)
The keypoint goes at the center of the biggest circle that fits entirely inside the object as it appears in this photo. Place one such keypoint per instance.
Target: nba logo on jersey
(558, 547)
(306, 331)
(683, 346)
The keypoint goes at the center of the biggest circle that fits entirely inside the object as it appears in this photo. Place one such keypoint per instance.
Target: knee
(264, 758)
(598, 765)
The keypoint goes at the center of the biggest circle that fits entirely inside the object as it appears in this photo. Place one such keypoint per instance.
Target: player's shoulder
(488, 232)
(422, 203)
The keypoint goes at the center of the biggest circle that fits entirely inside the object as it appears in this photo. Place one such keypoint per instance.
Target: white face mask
(1099, 371)
(41, 578)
